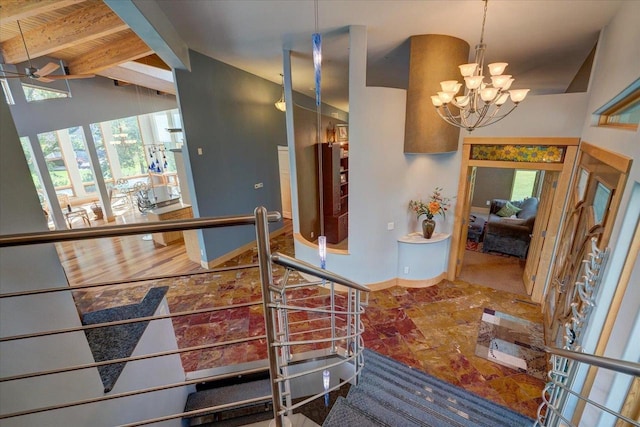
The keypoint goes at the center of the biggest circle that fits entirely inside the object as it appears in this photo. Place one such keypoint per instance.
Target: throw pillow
(507, 210)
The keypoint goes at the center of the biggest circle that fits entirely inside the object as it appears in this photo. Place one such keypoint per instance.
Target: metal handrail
(622, 366)
(305, 267)
(22, 239)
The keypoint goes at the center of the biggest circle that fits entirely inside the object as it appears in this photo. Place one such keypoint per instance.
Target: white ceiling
(544, 41)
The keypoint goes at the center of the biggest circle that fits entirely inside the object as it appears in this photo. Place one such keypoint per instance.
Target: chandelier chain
(484, 19)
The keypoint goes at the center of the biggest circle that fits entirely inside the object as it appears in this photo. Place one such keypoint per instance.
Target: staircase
(392, 394)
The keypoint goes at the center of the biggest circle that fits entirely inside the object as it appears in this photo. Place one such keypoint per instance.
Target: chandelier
(482, 102)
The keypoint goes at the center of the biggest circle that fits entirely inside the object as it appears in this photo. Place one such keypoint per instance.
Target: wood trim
(234, 253)
(458, 222)
(521, 141)
(517, 165)
(383, 285)
(17, 10)
(631, 407)
(611, 158)
(86, 24)
(554, 225)
(421, 283)
(300, 239)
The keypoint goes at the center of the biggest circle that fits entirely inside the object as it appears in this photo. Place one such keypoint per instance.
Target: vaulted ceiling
(86, 35)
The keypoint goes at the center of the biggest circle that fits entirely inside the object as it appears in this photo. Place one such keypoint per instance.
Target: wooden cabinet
(335, 191)
(165, 213)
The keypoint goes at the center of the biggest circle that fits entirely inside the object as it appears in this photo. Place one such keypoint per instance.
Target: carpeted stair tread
(391, 393)
(390, 409)
(229, 394)
(344, 414)
(412, 379)
(450, 400)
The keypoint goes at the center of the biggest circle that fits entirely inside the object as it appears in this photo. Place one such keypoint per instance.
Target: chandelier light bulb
(502, 98)
(488, 94)
(450, 86)
(518, 95)
(446, 97)
(497, 68)
(473, 82)
(500, 81)
(435, 100)
(467, 70)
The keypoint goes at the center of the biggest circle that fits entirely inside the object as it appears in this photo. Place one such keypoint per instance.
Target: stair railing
(279, 302)
(557, 390)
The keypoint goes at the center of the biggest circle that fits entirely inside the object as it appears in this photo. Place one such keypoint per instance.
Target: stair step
(226, 395)
(344, 414)
(394, 374)
(416, 412)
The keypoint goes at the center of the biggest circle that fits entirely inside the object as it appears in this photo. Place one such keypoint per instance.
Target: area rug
(512, 342)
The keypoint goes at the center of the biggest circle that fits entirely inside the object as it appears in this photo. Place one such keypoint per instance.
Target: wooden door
(285, 181)
(539, 232)
(593, 199)
(465, 205)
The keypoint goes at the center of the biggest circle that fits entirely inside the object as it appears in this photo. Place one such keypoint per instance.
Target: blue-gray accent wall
(230, 116)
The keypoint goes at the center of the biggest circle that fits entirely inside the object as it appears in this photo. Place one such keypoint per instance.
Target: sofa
(509, 226)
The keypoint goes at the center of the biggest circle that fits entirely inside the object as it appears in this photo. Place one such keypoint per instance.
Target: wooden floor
(121, 258)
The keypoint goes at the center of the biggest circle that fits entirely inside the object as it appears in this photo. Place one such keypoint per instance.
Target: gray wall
(229, 115)
(92, 101)
(492, 183)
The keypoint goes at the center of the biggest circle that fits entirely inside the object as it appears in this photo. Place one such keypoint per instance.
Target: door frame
(564, 167)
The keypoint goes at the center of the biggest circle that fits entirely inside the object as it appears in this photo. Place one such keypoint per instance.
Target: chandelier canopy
(482, 102)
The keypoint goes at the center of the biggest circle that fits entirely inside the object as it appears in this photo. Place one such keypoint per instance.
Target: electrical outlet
(313, 234)
(406, 270)
(390, 226)
(488, 202)
(199, 151)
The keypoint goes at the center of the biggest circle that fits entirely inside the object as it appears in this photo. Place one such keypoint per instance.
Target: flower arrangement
(437, 205)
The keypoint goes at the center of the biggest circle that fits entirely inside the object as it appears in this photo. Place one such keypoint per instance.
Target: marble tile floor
(432, 329)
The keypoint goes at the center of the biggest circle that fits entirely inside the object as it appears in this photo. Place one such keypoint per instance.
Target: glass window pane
(103, 155)
(56, 163)
(523, 184)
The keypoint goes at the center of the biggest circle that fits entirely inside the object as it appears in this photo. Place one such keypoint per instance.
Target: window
(525, 184)
(35, 93)
(7, 92)
(623, 111)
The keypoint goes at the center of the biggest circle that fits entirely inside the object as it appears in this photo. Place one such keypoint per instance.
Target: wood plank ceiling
(85, 34)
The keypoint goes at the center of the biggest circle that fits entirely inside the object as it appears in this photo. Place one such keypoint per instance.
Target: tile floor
(433, 329)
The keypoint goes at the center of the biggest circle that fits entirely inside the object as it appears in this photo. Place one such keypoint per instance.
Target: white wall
(617, 65)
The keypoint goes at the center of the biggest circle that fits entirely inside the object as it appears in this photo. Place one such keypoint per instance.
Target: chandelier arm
(449, 118)
(499, 118)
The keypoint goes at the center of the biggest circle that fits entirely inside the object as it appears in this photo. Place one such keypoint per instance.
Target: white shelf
(416, 238)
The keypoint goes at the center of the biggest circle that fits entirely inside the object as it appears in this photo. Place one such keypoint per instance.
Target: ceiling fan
(41, 74)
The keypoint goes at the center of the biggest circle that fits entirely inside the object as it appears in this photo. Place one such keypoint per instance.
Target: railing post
(266, 278)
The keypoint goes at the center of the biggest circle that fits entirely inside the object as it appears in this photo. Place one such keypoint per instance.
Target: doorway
(499, 260)
(553, 155)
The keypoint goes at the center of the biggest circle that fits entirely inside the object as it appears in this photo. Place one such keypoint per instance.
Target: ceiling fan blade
(14, 76)
(49, 79)
(47, 69)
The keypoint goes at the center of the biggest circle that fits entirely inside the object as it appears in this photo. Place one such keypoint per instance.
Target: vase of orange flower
(437, 205)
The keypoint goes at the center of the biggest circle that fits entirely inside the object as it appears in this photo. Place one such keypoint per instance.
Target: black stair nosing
(468, 402)
(229, 394)
(364, 419)
(233, 380)
(420, 378)
(438, 408)
(361, 394)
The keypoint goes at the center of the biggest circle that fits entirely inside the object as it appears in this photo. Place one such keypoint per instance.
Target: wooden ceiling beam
(15, 10)
(154, 61)
(129, 47)
(137, 78)
(86, 24)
